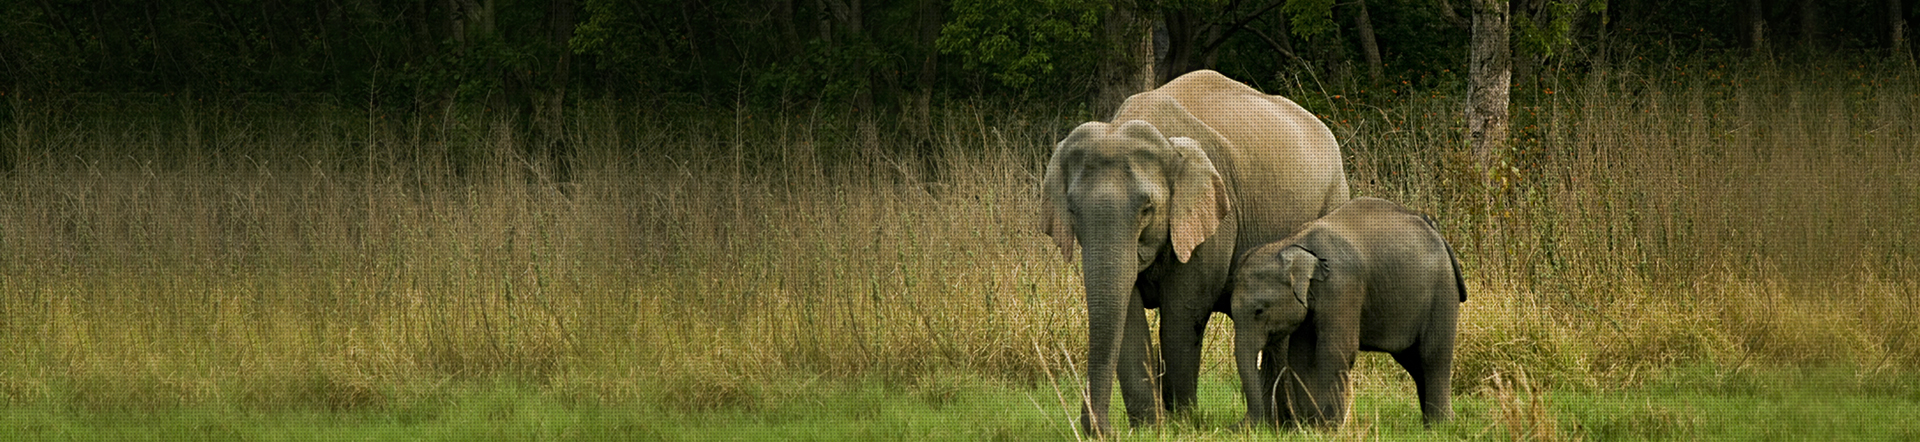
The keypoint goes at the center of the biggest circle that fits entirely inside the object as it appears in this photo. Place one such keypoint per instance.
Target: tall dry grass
(1723, 212)
(159, 250)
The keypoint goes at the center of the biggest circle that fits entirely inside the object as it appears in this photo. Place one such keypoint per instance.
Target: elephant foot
(1095, 428)
(1143, 419)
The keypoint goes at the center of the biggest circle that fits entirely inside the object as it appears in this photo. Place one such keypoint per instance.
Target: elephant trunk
(1108, 269)
(1248, 342)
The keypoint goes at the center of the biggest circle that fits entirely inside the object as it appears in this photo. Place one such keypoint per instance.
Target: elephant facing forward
(1371, 276)
(1159, 202)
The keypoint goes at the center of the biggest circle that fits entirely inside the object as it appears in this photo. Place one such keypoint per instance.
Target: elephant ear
(1054, 217)
(1302, 269)
(1199, 199)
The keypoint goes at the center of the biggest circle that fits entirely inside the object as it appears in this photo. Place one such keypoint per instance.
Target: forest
(894, 54)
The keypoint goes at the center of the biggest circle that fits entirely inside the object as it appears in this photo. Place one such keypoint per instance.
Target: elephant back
(1281, 165)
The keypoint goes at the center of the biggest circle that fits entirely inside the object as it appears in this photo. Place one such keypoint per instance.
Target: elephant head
(1270, 300)
(1127, 195)
(1109, 185)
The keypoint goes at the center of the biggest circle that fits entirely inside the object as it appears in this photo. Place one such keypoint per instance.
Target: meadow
(1723, 248)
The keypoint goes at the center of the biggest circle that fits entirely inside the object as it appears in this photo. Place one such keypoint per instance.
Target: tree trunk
(1194, 40)
(922, 113)
(789, 34)
(823, 21)
(1809, 22)
(1127, 68)
(1897, 29)
(1183, 29)
(1368, 46)
(847, 13)
(1756, 25)
(484, 14)
(1489, 71)
(457, 12)
(1333, 49)
(549, 100)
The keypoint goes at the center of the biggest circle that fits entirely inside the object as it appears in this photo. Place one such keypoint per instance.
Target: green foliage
(1310, 18)
(643, 47)
(400, 52)
(826, 71)
(1552, 33)
(1015, 41)
(603, 24)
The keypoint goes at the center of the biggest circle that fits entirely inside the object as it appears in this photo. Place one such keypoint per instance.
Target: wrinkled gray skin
(1371, 276)
(1159, 202)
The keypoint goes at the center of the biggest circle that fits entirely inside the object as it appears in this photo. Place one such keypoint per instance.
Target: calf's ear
(1303, 268)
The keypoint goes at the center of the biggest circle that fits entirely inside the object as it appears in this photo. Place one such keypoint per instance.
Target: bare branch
(1238, 25)
(1275, 44)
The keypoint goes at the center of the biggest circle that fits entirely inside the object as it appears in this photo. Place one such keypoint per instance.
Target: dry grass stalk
(1522, 411)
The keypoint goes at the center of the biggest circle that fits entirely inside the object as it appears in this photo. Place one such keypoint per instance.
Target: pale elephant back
(1282, 166)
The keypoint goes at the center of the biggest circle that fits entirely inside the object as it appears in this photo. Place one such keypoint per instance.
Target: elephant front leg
(1139, 368)
(1188, 297)
(1317, 390)
(1180, 339)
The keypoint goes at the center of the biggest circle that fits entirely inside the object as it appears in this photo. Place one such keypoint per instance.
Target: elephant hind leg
(1432, 374)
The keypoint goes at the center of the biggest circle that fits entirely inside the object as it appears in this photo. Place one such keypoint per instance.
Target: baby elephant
(1371, 275)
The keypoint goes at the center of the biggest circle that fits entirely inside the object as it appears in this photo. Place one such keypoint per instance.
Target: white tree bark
(1490, 74)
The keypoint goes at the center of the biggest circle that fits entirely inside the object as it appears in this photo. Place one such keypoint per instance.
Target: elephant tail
(1459, 285)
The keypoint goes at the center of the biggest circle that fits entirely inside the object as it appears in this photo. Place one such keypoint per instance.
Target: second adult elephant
(1159, 202)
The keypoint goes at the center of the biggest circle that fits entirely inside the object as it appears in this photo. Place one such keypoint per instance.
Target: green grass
(1690, 404)
(1780, 404)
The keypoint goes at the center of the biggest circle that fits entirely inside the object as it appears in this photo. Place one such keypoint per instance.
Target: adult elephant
(1160, 201)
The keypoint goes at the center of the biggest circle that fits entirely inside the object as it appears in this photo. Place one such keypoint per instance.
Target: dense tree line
(877, 62)
(869, 52)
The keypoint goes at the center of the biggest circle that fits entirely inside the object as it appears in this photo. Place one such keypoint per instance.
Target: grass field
(1724, 249)
(1690, 404)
